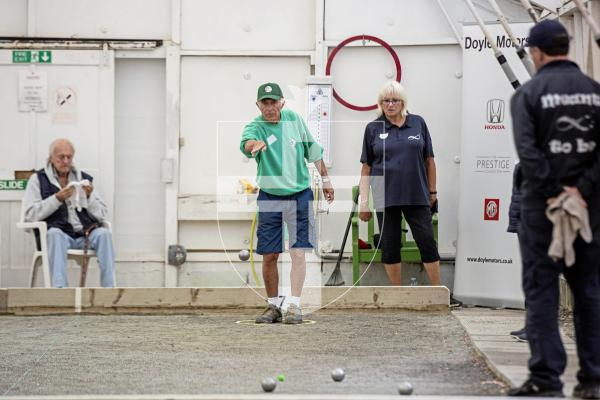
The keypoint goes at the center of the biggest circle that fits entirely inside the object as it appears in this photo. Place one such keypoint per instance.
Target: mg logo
(495, 111)
(491, 210)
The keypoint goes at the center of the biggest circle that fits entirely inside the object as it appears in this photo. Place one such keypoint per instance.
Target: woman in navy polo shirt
(398, 166)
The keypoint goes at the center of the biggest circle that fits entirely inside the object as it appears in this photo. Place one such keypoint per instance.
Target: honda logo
(495, 111)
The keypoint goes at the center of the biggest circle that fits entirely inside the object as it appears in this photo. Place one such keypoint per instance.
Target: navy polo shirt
(397, 157)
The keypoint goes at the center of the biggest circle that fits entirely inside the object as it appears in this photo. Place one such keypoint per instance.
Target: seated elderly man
(51, 196)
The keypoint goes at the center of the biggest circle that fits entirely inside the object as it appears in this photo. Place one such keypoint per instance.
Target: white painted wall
(392, 20)
(248, 25)
(15, 247)
(13, 18)
(25, 136)
(218, 96)
(130, 19)
(227, 49)
(139, 220)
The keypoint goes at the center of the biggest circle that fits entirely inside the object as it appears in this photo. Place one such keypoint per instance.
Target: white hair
(56, 142)
(396, 90)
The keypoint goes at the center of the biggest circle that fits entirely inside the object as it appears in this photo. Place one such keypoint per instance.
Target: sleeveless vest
(60, 218)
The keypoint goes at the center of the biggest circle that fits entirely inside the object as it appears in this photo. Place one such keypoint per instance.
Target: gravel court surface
(209, 353)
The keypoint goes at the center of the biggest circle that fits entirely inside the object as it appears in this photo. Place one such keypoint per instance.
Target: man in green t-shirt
(281, 144)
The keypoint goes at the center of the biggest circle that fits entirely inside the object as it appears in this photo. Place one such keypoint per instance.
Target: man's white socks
(276, 301)
(294, 300)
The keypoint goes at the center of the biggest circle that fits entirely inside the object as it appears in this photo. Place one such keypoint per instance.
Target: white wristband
(325, 179)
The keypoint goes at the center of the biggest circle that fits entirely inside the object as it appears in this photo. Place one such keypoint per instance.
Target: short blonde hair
(395, 90)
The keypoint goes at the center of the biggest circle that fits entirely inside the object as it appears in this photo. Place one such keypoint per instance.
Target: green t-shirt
(281, 168)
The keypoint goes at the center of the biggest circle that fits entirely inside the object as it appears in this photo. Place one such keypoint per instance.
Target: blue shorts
(295, 210)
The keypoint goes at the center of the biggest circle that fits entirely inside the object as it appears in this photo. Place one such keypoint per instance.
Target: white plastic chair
(41, 249)
(0, 263)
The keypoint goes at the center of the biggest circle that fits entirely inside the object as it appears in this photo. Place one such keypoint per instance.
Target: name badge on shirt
(383, 135)
(271, 139)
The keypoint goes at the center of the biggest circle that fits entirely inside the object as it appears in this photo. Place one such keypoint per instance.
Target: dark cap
(548, 34)
(269, 91)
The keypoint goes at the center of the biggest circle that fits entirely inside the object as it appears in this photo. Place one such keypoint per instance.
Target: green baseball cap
(269, 90)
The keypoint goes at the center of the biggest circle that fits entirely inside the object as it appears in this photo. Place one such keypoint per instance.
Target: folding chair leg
(46, 270)
(34, 267)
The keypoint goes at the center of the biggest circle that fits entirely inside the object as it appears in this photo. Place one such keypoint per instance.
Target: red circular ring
(354, 39)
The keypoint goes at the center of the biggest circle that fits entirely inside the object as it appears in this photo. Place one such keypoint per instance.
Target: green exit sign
(13, 184)
(32, 56)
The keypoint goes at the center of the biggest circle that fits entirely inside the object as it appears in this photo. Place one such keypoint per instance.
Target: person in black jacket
(514, 210)
(514, 223)
(556, 126)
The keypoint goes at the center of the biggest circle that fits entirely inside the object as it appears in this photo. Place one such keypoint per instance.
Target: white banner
(488, 262)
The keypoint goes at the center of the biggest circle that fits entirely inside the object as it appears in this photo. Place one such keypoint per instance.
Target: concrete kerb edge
(272, 396)
(41, 301)
(486, 359)
(3, 301)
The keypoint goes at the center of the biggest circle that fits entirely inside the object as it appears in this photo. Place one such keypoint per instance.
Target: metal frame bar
(15, 42)
(587, 16)
(447, 16)
(530, 10)
(523, 56)
(510, 75)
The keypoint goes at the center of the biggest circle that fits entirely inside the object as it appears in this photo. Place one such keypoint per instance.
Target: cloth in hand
(569, 219)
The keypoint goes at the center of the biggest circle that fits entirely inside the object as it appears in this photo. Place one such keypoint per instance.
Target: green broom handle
(341, 253)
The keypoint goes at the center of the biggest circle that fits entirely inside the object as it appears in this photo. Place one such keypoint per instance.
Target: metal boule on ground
(268, 384)
(338, 374)
(405, 388)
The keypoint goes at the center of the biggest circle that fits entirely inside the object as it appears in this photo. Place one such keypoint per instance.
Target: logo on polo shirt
(417, 137)
(383, 135)
(491, 209)
(495, 115)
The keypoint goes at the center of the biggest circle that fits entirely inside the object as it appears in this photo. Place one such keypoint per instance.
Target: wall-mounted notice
(33, 91)
(64, 106)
